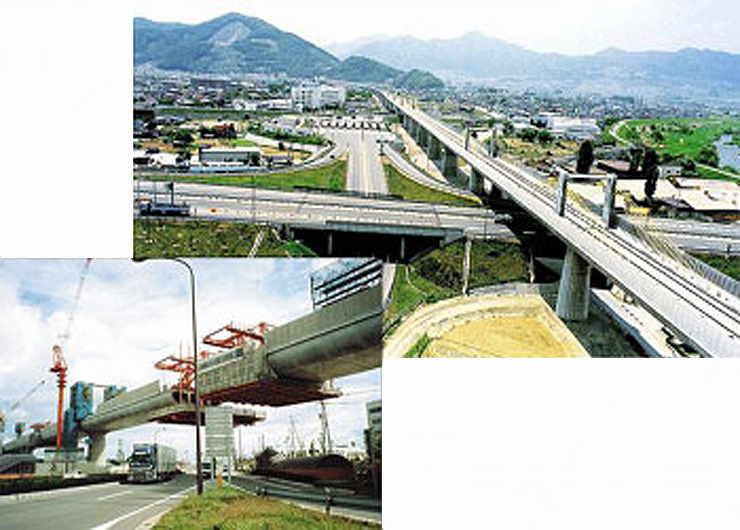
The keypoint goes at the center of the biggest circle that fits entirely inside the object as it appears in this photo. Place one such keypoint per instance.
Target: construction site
(243, 372)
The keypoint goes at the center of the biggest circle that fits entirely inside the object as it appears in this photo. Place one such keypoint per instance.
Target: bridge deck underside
(276, 393)
(187, 417)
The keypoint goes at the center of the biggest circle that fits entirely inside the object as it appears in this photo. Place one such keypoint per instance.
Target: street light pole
(196, 386)
(198, 466)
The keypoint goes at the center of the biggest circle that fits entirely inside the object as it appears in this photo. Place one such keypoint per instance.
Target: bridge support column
(96, 449)
(402, 250)
(562, 193)
(475, 182)
(434, 151)
(466, 266)
(449, 163)
(423, 138)
(574, 293)
(329, 244)
(493, 148)
(609, 197)
(414, 131)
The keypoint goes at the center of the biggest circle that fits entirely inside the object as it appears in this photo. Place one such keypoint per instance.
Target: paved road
(414, 173)
(304, 208)
(364, 168)
(696, 236)
(702, 312)
(111, 506)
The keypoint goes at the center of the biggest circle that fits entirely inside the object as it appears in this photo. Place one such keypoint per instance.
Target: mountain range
(238, 44)
(475, 56)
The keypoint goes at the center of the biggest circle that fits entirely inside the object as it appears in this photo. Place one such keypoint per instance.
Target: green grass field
(684, 137)
(438, 275)
(410, 190)
(330, 177)
(729, 265)
(156, 238)
(228, 508)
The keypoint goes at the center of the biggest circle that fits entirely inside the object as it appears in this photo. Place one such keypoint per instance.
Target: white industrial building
(317, 96)
(374, 426)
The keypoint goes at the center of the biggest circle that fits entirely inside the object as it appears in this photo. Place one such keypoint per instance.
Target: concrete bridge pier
(434, 151)
(96, 448)
(414, 131)
(562, 193)
(475, 182)
(574, 293)
(610, 193)
(423, 138)
(449, 163)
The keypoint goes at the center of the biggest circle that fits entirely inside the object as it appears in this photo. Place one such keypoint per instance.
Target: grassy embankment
(330, 177)
(729, 265)
(684, 137)
(410, 190)
(233, 509)
(160, 238)
(438, 275)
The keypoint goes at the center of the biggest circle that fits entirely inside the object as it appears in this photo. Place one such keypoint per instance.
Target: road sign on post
(220, 436)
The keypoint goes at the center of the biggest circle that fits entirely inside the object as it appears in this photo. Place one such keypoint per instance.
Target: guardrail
(327, 497)
(659, 243)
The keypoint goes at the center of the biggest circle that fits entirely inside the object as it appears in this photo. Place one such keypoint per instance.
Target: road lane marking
(113, 495)
(25, 497)
(109, 524)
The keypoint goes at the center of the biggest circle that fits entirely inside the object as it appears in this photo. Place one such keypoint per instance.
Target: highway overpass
(329, 220)
(684, 298)
(291, 367)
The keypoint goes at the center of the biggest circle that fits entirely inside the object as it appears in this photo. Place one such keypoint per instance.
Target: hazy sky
(567, 26)
(131, 315)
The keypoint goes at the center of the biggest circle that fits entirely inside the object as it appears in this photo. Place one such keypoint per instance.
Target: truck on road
(152, 462)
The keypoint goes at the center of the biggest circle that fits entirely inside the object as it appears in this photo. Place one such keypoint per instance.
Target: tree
(635, 159)
(708, 155)
(650, 171)
(585, 157)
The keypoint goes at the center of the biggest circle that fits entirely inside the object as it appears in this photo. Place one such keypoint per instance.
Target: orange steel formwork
(230, 336)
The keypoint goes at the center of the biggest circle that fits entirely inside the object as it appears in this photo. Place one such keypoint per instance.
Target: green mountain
(238, 44)
(361, 69)
(229, 44)
(418, 80)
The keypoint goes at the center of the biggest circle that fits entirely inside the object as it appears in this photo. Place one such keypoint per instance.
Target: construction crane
(59, 363)
(296, 446)
(15, 406)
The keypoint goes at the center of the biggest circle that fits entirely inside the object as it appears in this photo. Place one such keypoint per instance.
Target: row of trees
(643, 162)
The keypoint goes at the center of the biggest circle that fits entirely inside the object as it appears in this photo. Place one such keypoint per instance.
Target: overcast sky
(567, 26)
(132, 314)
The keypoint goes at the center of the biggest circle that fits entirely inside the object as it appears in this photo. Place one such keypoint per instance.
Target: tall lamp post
(198, 464)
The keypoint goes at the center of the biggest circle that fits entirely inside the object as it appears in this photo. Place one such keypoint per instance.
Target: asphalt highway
(364, 168)
(310, 208)
(110, 506)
